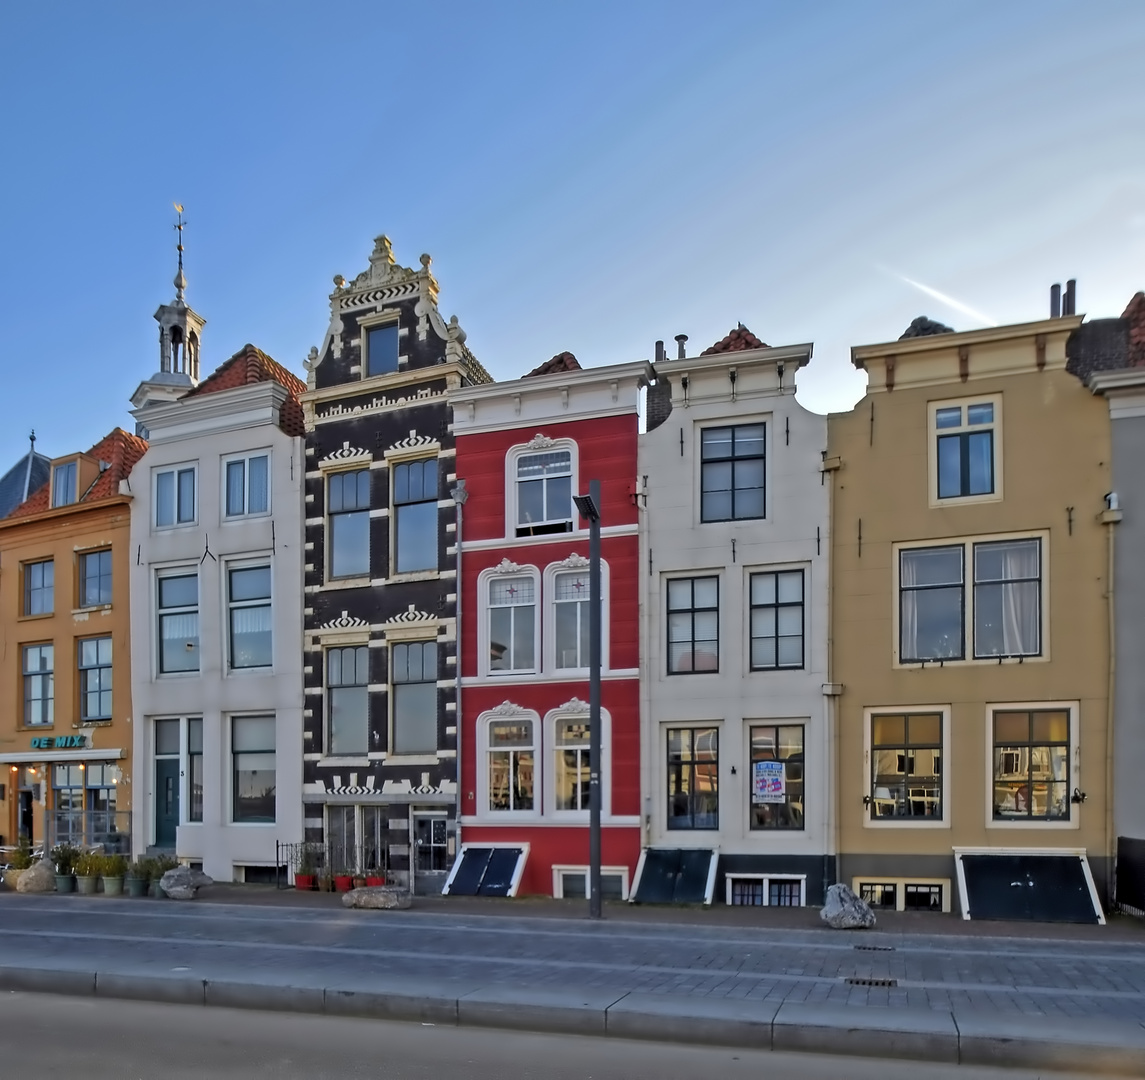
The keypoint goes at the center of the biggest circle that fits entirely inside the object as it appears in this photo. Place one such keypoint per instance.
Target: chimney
(680, 341)
(660, 355)
(1055, 301)
(1069, 307)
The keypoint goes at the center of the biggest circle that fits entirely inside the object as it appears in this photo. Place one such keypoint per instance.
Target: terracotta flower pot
(305, 881)
(374, 880)
(343, 882)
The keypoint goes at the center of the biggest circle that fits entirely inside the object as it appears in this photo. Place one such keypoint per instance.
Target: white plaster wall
(206, 430)
(675, 543)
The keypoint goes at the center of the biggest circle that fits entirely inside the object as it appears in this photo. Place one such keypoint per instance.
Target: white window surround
(573, 710)
(573, 563)
(967, 543)
(173, 570)
(175, 469)
(1074, 709)
(540, 444)
(947, 788)
(229, 758)
(808, 615)
(184, 772)
(767, 880)
(245, 457)
(900, 887)
(769, 421)
(506, 568)
(571, 868)
(249, 561)
(932, 433)
(512, 713)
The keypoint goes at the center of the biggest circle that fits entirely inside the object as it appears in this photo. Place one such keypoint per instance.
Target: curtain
(1021, 614)
(908, 607)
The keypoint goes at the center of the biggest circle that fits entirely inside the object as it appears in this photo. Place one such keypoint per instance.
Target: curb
(1102, 1047)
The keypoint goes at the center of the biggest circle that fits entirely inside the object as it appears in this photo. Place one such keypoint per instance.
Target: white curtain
(1021, 613)
(908, 606)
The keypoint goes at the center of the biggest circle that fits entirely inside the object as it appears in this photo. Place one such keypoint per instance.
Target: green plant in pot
(64, 858)
(306, 869)
(138, 878)
(112, 871)
(89, 867)
(19, 861)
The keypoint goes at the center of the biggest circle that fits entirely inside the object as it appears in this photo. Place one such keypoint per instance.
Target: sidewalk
(1069, 999)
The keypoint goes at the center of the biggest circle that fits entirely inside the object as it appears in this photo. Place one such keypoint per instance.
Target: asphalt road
(44, 1036)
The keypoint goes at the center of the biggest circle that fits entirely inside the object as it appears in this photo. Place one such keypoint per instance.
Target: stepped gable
(739, 340)
(564, 361)
(252, 365)
(119, 450)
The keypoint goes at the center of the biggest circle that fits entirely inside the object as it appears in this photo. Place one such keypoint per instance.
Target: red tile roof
(118, 449)
(251, 365)
(738, 340)
(564, 361)
(1134, 314)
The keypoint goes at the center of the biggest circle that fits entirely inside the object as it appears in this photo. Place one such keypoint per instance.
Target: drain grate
(874, 948)
(871, 982)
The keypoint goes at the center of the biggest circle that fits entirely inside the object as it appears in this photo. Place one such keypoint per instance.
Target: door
(166, 801)
(24, 826)
(429, 838)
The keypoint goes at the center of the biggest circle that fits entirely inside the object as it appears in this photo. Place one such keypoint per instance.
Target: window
(571, 619)
(732, 472)
(247, 485)
(964, 449)
(931, 602)
(922, 898)
(67, 793)
(39, 587)
(381, 349)
(252, 748)
(693, 778)
(777, 777)
(512, 624)
(347, 700)
(101, 797)
(879, 894)
(1007, 598)
(348, 506)
(178, 623)
(573, 883)
(1031, 765)
(39, 685)
(777, 620)
(544, 493)
(413, 673)
(95, 679)
(693, 625)
(175, 497)
(64, 484)
(250, 617)
(906, 766)
(95, 579)
(195, 768)
(571, 747)
(511, 773)
(415, 511)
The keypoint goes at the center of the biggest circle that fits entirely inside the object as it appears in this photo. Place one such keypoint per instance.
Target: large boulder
(378, 897)
(40, 877)
(12, 878)
(846, 911)
(182, 883)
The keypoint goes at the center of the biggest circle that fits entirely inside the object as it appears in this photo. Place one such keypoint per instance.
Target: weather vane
(180, 280)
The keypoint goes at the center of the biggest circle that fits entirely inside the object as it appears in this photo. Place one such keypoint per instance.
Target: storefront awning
(33, 757)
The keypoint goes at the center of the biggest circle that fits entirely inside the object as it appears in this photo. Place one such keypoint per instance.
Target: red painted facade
(606, 449)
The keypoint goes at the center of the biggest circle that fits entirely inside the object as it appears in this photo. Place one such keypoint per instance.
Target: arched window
(510, 765)
(510, 633)
(540, 479)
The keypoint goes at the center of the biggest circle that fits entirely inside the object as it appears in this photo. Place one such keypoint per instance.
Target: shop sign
(59, 742)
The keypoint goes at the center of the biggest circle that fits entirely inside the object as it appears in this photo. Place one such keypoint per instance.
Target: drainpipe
(1110, 517)
(459, 497)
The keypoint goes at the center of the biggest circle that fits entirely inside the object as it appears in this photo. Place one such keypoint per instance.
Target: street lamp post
(589, 508)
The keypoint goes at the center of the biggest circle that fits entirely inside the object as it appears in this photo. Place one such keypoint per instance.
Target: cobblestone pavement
(1059, 976)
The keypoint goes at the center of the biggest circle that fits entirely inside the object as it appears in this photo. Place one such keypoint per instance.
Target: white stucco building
(216, 615)
(736, 707)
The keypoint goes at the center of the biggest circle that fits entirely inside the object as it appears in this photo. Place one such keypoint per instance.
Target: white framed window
(175, 496)
(571, 882)
(254, 770)
(732, 472)
(541, 478)
(348, 701)
(39, 685)
(510, 638)
(1033, 765)
(414, 497)
(965, 450)
(94, 578)
(977, 599)
(693, 624)
(765, 890)
(249, 617)
(246, 485)
(777, 619)
(906, 761)
(413, 698)
(904, 894)
(507, 780)
(94, 659)
(567, 615)
(348, 523)
(65, 477)
(565, 739)
(177, 594)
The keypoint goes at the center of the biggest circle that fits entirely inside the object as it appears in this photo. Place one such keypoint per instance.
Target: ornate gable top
(384, 271)
(564, 361)
(738, 340)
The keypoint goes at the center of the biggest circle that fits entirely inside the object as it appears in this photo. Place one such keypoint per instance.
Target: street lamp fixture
(589, 508)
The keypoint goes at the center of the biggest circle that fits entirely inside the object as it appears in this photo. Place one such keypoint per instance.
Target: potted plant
(64, 859)
(138, 877)
(112, 871)
(305, 872)
(20, 860)
(359, 880)
(89, 867)
(159, 866)
(343, 880)
(375, 877)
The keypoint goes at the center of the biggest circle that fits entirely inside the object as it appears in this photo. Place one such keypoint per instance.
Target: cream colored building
(970, 621)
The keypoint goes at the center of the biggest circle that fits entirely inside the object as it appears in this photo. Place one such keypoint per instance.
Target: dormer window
(64, 484)
(544, 493)
(380, 349)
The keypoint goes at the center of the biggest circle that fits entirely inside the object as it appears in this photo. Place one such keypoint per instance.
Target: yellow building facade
(65, 678)
(970, 616)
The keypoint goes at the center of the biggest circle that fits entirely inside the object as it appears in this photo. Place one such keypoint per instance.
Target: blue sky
(587, 176)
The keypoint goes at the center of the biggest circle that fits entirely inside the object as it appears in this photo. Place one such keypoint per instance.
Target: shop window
(693, 778)
(777, 780)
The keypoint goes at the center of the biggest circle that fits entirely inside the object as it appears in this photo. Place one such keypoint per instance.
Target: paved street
(1055, 977)
(141, 1040)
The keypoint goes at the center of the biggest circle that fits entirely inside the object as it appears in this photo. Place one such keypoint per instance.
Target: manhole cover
(871, 982)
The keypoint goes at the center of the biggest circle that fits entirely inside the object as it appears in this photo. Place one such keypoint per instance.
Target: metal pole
(594, 733)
